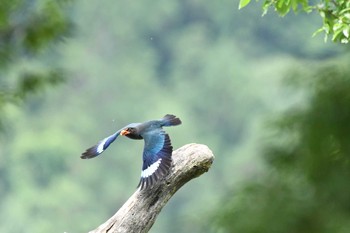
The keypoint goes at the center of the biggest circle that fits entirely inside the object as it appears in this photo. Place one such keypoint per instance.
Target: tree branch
(139, 212)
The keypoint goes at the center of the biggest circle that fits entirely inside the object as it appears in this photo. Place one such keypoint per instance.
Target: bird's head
(131, 132)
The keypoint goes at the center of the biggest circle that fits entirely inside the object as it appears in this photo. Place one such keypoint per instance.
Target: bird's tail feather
(171, 120)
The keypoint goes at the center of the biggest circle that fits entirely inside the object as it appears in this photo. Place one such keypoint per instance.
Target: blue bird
(157, 150)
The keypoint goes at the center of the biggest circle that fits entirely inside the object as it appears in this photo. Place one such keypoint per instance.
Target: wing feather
(156, 158)
(99, 147)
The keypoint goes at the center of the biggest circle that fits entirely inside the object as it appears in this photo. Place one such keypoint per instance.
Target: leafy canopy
(335, 14)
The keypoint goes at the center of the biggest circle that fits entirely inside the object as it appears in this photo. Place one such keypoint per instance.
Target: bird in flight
(156, 152)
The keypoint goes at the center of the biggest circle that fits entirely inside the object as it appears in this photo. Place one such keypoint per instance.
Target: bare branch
(141, 210)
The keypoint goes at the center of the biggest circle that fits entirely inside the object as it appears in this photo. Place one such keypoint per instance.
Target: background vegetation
(335, 14)
(269, 99)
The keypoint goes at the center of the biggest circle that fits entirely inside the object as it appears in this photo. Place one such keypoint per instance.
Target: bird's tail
(170, 120)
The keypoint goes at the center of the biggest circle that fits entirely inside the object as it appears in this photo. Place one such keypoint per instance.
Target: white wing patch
(101, 145)
(151, 169)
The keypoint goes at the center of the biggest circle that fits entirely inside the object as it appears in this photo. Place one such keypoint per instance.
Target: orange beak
(124, 132)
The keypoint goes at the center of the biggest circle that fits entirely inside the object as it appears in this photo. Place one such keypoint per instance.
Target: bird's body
(157, 149)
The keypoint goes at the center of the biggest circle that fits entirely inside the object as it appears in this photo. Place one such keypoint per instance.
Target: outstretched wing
(156, 157)
(99, 147)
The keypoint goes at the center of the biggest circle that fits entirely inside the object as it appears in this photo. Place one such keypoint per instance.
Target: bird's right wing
(99, 147)
(156, 158)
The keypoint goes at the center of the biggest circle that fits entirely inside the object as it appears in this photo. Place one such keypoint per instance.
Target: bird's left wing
(99, 147)
(156, 157)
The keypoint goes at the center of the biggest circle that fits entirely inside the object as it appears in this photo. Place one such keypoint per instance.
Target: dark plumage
(156, 152)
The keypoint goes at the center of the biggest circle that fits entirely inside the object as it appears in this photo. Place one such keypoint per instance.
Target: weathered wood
(139, 212)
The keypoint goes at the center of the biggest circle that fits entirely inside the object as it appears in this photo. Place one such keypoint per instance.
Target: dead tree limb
(139, 212)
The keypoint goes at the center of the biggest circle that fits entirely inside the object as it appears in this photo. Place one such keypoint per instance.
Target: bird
(157, 149)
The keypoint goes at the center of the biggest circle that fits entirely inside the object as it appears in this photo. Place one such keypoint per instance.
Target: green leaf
(243, 3)
(317, 32)
(344, 10)
(346, 31)
(294, 4)
(344, 41)
(283, 7)
(337, 33)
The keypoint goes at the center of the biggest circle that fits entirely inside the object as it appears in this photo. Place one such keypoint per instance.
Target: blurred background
(271, 102)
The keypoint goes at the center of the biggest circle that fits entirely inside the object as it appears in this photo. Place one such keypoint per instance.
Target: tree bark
(139, 212)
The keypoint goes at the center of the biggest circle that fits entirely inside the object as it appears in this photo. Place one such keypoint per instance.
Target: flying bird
(157, 150)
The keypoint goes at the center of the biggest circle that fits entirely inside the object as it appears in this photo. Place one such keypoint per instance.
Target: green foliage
(335, 14)
(272, 204)
(283, 7)
(28, 27)
(243, 3)
(29, 30)
(336, 19)
(306, 188)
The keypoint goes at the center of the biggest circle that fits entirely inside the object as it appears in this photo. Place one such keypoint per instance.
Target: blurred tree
(29, 30)
(335, 14)
(131, 61)
(306, 188)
